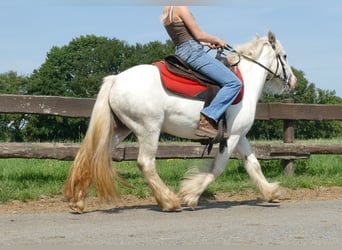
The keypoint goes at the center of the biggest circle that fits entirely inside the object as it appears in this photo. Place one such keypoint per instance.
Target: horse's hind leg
(165, 198)
(269, 191)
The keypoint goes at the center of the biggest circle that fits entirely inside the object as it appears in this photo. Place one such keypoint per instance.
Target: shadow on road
(204, 204)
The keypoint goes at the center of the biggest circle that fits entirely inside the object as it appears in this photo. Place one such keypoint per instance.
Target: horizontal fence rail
(82, 107)
(62, 151)
(46, 105)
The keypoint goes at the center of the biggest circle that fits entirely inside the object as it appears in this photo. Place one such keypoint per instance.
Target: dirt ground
(57, 204)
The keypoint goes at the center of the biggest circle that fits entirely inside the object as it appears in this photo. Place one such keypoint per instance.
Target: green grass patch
(30, 179)
(319, 170)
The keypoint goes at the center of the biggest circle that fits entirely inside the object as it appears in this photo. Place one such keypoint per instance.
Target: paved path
(303, 223)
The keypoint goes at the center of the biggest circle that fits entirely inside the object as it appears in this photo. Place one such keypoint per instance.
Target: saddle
(177, 77)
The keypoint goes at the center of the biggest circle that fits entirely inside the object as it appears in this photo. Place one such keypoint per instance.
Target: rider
(189, 40)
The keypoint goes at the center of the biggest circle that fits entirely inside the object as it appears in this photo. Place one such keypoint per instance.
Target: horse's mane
(253, 49)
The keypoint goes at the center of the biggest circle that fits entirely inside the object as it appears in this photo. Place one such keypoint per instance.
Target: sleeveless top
(177, 31)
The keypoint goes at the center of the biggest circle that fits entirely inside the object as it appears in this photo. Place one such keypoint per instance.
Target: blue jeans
(198, 59)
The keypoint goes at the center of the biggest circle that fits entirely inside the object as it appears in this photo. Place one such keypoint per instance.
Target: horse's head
(280, 75)
(269, 54)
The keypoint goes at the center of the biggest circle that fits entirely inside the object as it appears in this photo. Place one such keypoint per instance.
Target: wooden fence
(82, 107)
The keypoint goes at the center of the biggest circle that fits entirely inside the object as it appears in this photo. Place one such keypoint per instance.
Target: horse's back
(145, 73)
(138, 95)
(137, 91)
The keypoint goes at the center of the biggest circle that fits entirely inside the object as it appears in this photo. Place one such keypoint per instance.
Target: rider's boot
(206, 127)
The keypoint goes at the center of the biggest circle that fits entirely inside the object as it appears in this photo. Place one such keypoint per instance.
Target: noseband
(287, 78)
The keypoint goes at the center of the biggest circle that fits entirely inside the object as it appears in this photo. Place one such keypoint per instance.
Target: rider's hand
(222, 43)
(218, 44)
(214, 45)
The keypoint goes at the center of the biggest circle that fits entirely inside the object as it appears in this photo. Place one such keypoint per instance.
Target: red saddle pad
(188, 87)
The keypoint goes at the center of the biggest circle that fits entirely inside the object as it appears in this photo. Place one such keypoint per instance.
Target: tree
(77, 70)
(147, 53)
(11, 125)
(74, 70)
(304, 92)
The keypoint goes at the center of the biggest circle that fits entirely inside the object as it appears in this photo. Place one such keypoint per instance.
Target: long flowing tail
(93, 162)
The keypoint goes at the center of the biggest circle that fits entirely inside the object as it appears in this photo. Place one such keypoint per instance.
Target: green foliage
(11, 83)
(77, 69)
(11, 125)
(304, 92)
(55, 129)
(147, 53)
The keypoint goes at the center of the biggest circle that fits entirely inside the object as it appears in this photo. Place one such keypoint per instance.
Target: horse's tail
(93, 162)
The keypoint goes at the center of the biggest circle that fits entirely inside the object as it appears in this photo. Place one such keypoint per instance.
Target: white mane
(253, 50)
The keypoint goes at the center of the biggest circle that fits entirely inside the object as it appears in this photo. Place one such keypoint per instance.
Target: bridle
(286, 78)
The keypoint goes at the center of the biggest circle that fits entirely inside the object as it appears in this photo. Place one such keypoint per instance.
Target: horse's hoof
(78, 207)
(189, 200)
(276, 200)
(170, 207)
(192, 205)
(175, 207)
(178, 209)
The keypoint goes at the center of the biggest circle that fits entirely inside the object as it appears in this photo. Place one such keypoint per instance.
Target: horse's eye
(285, 57)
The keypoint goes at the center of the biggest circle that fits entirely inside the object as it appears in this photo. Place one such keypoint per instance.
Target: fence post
(288, 165)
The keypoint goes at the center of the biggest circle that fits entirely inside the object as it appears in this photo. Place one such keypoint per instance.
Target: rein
(286, 79)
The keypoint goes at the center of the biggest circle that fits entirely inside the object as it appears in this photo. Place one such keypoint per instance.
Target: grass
(320, 170)
(30, 179)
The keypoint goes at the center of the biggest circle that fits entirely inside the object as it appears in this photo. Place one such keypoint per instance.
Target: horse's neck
(254, 77)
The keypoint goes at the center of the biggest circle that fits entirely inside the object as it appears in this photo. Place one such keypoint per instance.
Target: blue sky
(310, 31)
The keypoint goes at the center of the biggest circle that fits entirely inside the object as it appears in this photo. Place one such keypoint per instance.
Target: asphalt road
(302, 223)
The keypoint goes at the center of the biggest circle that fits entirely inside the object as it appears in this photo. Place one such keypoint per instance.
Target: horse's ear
(271, 38)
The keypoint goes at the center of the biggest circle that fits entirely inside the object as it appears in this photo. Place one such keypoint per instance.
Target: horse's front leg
(196, 181)
(165, 198)
(269, 191)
